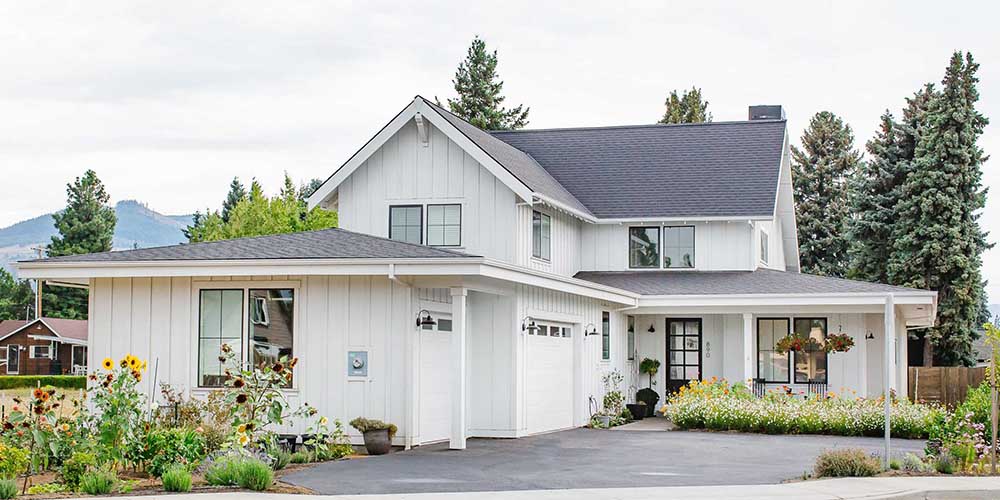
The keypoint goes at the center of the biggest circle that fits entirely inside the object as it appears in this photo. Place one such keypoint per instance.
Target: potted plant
(795, 343)
(604, 420)
(838, 342)
(378, 434)
(648, 396)
(637, 409)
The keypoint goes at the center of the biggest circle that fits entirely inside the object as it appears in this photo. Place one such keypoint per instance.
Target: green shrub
(254, 475)
(176, 479)
(47, 488)
(8, 489)
(364, 425)
(32, 381)
(98, 482)
(301, 457)
(913, 463)
(13, 461)
(165, 448)
(74, 468)
(895, 464)
(849, 462)
(281, 459)
(945, 464)
(224, 471)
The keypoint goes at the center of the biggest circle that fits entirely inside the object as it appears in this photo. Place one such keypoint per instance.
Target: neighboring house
(482, 283)
(44, 346)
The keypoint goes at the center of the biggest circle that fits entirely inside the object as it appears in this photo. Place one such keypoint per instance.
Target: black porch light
(652, 329)
(590, 330)
(528, 325)
(424, 318)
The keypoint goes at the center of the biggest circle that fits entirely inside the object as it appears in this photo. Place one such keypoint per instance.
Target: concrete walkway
(830, 489)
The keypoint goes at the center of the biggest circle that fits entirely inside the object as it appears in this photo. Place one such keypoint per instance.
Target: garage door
(549, 383)
(435, 386)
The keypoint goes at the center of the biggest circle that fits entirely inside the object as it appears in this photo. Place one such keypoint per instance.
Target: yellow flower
(108, 363)
(143, 368)
(242, 428)
(323, 420)
(133, 361)
(244, 439)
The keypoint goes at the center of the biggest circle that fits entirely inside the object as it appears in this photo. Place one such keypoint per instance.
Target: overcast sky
(168, 101)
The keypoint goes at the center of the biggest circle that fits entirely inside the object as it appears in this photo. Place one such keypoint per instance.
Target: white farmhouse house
(483, 282)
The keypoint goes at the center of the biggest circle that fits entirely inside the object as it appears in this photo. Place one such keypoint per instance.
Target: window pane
(444, 325)
(605, 335)
(678, 246)
(567, 332)
(691, 373)
(644, 246)
(435, 234)
(543, 330)
(405, 224)
(771, 366)
(444, 225)
(453, 214)
(273, 341)
(541, 242)
(452, 236)
(677, 357)
(435, 215)
(631, 338)
(811, 365)
(221, 313)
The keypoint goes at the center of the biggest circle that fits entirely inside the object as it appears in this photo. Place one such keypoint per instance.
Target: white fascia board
(61, 340)
(783, 300)
(477, 153)
(359, 157)
(26, 325)
(656, 220)
(532, 277)
(565, 208)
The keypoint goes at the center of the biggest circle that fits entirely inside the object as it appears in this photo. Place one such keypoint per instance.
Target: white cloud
(169, 100)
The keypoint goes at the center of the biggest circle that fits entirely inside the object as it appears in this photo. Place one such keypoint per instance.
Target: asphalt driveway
(585, 458)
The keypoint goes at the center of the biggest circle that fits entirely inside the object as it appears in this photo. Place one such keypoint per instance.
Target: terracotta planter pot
(377, 442)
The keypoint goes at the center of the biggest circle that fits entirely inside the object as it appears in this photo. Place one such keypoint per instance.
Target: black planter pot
(638, 411)
(650, 397)
(377, 442)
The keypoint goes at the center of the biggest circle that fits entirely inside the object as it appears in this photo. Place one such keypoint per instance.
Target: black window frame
(244, 305)
(826, 356)
(421, 223)
(659, 247)
(538, 237)
(428, 223)
(788, 322)
(694, 246)
(605, 336)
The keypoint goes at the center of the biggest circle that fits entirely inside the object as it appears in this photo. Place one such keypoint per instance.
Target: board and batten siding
(719, 246)
(156, 319)
(565, 237)
(403, 171)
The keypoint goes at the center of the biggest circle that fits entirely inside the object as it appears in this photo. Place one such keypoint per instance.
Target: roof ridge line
(638, 125)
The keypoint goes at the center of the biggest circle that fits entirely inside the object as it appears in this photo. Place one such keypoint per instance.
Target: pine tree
(236, 193)
(688, 108)
(478, 86)
(86, 225)
(937, 240)
(819, 175)
(16, 297)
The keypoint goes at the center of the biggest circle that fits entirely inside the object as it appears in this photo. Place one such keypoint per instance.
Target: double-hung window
(605, 336)
(266, 337)
(771, 365)
(406, 223)
(678, 247)
(810, 365)
(444, 225)
(643, 247)
(541, 235)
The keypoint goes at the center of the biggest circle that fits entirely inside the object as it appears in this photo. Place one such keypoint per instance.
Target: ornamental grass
(716, 405)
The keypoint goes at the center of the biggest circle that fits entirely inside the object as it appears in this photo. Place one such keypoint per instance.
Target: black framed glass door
(683, 352)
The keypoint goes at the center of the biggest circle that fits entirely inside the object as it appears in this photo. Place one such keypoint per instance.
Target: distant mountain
(138, 226)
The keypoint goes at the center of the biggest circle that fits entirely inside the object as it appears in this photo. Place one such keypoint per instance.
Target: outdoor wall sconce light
(869, 335)
(590, 330)
(424, 318)
(528, 325)
(652, 329)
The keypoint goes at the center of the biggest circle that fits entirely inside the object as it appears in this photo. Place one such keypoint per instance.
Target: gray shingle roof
(689, 170)
(517, 162)
(761, 281)
(323, 244)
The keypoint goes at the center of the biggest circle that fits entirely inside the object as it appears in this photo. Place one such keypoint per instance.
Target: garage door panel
(435, 386)
(549, 387)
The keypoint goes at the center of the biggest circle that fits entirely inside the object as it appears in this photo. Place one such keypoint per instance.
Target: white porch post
(459, 297)
(747, 347)
(889, 369)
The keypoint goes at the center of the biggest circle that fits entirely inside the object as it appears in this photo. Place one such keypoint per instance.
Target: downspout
(410, 414)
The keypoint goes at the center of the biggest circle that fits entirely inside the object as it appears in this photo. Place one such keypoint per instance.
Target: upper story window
(541, 235)
(763, 247)
(678, 247)
(406, 223)
(644, 247)
(444, 225)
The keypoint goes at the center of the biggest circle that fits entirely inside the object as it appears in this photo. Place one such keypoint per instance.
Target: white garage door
(549, 383)
(435, 385)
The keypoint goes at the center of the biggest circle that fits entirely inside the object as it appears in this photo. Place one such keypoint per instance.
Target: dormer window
(678, 247)
(644, 247)
(661, 247)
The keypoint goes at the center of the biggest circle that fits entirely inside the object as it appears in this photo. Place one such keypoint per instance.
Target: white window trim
(764, 243)
(245, 286)
(531, 225)
(72, 356)
(32, 353)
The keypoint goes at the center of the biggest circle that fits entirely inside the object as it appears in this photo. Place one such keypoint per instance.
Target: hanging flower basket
(796, 343)
(838, 342)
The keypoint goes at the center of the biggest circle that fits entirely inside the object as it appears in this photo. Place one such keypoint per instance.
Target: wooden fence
(943, 384)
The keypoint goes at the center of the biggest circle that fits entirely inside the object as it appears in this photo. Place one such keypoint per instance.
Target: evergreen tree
(16, 297)
(478, 86)
(86, 225)
(819, 175)
(688, 108)
(937, 240)
(307, 190)
(236, 193)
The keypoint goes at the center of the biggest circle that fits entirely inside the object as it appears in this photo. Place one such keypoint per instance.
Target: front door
(683, 352)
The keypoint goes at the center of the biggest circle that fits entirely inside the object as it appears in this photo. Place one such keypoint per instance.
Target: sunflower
(45, 396)
(108, 363)
(143, 366)
(241, 398)
(38, 393)
(278, 367)
(293, 362)
(238, 383)
(133, 362)
(137, 375)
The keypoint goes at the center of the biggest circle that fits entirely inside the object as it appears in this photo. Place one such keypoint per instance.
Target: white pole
(890, 334)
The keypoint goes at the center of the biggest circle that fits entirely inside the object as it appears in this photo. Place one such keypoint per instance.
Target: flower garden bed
(717, 405)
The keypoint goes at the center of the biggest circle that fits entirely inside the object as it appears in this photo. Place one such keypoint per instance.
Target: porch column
(459, 298)
(747, 348)
(889, 368)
